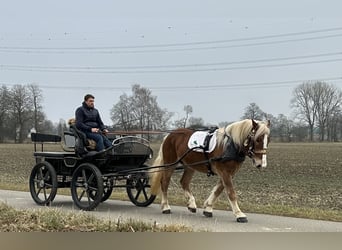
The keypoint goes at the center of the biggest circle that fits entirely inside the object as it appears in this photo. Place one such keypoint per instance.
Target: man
(88, 120)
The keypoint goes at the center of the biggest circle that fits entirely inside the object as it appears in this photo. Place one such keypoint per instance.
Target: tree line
(317, 114)
(21, 111)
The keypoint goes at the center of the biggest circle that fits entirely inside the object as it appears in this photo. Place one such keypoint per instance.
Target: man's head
(89, 100)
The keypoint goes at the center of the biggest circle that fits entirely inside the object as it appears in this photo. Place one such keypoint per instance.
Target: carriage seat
(84, 147)
(89, 143)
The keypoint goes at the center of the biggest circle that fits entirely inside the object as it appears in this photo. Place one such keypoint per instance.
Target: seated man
(88, 120)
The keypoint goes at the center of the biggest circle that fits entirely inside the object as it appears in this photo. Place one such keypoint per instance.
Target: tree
(181, 123)
(196, 122)
(253, 112)
(36, 98)
(305, 107)
(283, 128)
(121, 113)
(4, 111)
(188, 111)
(328, 100)
(315, 103)
(20, 111)
(139, 111)
(334, 126)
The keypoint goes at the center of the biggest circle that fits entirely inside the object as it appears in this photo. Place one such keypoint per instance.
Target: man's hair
(86, 97)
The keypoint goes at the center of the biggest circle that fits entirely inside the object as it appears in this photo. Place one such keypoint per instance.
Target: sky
(217, 56)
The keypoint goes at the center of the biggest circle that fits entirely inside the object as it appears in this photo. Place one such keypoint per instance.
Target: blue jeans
(102, 141)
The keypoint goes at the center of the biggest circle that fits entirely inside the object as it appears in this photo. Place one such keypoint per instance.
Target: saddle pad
(197, 139)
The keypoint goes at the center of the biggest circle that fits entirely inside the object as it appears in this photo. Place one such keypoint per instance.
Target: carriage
(90, 175)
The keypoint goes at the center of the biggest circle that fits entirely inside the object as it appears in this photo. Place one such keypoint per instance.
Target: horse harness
(231, 153)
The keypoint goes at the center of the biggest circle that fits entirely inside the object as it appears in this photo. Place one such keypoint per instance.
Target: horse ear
(268, 124)
(255, 124)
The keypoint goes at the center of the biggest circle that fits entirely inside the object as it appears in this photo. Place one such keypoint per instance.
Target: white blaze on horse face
(263, 160)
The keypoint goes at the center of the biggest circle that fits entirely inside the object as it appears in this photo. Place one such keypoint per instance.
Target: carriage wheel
(43, 183)
(138, 191)
(107, 192)
(87, 186)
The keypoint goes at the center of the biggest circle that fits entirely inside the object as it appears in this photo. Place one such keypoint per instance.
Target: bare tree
(4, 110)
(305, 107)
(196, 122)
(141, 111)
(253, 111)
(20, 109)
(121, 114)
(315, 102)
(188, 111)
(283, 127)
(334, 126)
(36, 98)
(328, 100)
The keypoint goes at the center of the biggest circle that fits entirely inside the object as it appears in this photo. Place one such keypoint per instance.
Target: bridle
(249, 144)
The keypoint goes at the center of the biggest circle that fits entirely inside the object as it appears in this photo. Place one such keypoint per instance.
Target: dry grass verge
(55, 220)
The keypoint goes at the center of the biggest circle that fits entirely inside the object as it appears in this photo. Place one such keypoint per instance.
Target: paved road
(222, 221)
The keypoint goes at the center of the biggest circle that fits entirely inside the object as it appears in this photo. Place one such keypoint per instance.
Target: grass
(55, 220)
(301, 180)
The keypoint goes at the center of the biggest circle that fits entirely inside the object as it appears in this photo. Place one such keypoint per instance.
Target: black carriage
(90, 175)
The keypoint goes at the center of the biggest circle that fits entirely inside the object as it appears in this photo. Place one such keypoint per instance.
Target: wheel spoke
(137, 195)
(81, 196)
(145, 194)
(41, 174)
(45, 196)
(84, 175)
(36, 180)
(91, 178)
(93, 188)
(88, 196)
(40, 189)
(48, 185)
(47, 175)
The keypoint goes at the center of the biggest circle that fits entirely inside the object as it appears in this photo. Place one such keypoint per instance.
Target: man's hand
(105, 131)
(95, 130)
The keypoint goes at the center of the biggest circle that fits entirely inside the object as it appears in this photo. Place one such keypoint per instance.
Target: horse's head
(257, 142)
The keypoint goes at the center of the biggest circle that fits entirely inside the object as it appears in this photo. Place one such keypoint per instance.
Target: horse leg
(185, 182)
(215, 193)
(165, 181)
(228, 184)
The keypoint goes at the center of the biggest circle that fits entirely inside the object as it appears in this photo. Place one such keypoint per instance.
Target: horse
(243, 138)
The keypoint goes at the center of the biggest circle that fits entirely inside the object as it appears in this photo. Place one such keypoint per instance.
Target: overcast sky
(217, 56)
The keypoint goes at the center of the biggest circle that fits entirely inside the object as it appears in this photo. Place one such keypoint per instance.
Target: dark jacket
(88, 118)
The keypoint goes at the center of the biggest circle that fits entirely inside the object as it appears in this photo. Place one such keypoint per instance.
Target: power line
(170, 65)
(108, 51)
(12, 49)
(52, 70)
(177, 87)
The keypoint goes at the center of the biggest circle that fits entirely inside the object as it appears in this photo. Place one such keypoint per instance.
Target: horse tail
(157, 173)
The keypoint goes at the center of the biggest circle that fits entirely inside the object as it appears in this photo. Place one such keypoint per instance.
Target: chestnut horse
(234, 142)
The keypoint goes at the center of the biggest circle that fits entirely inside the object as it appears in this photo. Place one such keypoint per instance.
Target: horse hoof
(242, 219)
(168, 211)
(192, 210)
(208, 214)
